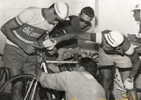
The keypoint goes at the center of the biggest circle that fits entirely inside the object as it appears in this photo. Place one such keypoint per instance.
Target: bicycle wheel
(15, 79)
(4, 75)
(30, 87)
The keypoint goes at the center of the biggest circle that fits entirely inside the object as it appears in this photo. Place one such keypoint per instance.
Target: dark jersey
(71, 26)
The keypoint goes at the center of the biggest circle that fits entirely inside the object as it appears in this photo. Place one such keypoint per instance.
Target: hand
(28, 48)
(38, 45)
(67, 55)
(49, 44)
(138, 35)
(38, 72)
(129, 83)
(53, 51)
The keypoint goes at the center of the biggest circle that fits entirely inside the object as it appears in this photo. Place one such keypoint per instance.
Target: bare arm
(136, 64)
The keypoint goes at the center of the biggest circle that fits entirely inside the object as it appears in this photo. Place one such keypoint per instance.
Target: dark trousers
(19, 63)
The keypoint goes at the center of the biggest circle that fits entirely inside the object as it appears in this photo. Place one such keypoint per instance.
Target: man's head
(114, 41)
(113, 38)
(137, 12)
(86, 16)
(58, 11)
(87, 64)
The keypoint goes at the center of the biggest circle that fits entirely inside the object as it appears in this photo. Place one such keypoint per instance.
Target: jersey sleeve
(25, 16)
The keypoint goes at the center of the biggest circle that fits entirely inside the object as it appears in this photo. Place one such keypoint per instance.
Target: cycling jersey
(32, 25)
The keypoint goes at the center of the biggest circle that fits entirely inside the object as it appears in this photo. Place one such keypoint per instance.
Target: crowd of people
(108, 65)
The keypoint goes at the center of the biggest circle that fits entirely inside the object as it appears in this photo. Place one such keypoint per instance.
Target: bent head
(113, 42)
(57, 12)
(114, 38)
(86, 16)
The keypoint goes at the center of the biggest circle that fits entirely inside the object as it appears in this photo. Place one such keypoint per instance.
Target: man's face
(137, 15)
(54, 18)
(85, 20)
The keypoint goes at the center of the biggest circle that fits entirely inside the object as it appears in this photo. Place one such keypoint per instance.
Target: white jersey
(33, 25)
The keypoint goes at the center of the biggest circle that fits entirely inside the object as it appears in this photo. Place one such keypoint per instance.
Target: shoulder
(69, 74)
(30, 10)
(64, 74)
(28, 14)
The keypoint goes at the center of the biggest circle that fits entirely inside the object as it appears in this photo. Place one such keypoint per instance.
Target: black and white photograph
(70, 49)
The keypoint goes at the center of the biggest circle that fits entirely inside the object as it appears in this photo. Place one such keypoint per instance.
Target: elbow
(3, 29)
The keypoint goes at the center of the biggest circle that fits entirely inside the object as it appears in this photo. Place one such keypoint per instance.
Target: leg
(138, 85)
(124, 73)
(131, 95)
(106, 65)
(124, 65)
(13, 59)
(30, 68)
(107, 80)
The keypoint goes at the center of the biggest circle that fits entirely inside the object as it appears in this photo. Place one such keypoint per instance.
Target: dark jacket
(71, 26)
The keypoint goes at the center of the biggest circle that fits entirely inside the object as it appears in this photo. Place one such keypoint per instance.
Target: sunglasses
(84, 21)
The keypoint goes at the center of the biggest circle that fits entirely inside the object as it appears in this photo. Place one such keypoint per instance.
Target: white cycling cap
(62, 9)
(114, 38)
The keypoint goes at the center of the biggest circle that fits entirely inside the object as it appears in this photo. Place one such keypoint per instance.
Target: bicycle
(127, 94)
(31, 82)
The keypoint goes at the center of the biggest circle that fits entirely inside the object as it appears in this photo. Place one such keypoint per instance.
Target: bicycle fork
(34, 84)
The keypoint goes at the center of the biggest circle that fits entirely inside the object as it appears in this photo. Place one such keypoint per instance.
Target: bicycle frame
(43, 65)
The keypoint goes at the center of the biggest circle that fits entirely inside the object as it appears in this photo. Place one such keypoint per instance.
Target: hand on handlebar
(49, 44)
(31, 48)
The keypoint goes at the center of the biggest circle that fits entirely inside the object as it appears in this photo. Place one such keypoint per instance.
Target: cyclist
(116, 49)
(79, 84)
(22, 33)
